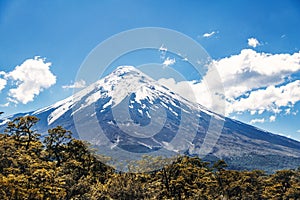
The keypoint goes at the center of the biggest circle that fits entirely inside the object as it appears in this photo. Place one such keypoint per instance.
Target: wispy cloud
(30, 78)
(253, 42)
(298, 131)
(163, 50)
(185, 59)
(207, 35)
(4, 105)
(272, 118)
(169, 61)
(76, 85)
(3, 82)
(254, 121)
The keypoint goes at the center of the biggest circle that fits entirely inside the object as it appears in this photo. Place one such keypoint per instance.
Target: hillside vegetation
(61, 167)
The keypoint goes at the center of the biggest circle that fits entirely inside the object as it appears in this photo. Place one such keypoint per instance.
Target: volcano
(129, 112)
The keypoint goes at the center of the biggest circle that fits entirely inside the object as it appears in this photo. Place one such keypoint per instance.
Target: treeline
(61, 167)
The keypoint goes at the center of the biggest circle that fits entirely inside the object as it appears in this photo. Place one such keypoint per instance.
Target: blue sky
(62, 33)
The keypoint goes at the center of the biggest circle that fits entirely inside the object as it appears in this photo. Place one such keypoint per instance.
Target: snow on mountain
(119, 84)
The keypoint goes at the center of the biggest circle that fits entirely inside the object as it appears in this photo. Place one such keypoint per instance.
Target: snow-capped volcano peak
(124, 69)
(119, 84)
(126, 80)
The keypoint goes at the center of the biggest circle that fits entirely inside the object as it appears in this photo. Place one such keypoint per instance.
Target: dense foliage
(61, 167)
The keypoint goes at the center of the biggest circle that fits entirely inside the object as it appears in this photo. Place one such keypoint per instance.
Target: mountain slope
(130, 111)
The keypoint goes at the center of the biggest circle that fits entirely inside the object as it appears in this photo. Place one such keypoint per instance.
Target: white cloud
(184, 88)
(254, 121)
(163, 51)
(251, 75)
(207, 35)
(30, 78)
(169, 61)
(4, 105)
(12, 100)
(76, 85)
(2, 81)
(253, 42)
(270, 99)
(272, 118)
(253, 82)
(256, 69)
(191, 90)
(288, 111)
(2, 84)
(298, 131)
(260, 111)
(253, 112)
(163, 48)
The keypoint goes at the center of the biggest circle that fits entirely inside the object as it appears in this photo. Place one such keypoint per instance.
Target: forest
(59, 166)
